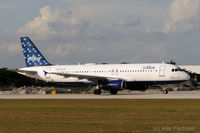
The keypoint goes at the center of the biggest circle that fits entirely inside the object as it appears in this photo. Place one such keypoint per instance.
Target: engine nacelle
(113, 85)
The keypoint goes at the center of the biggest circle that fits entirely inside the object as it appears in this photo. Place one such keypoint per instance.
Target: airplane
(109, 77)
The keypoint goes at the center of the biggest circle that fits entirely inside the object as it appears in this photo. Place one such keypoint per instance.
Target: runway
(132, 95)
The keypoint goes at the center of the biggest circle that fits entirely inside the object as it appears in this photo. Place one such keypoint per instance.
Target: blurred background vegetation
(13, 79)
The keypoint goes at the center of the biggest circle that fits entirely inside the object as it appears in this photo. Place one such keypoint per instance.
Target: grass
(99, 116)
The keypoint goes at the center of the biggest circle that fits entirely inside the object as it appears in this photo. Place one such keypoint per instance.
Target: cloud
(105, 32)
(14, 48)
(54, 23)
(129, 22)
(61, 50)
(11, 47)
(184, 16)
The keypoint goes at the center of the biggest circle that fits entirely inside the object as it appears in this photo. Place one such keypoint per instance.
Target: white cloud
(61, 50)
(14, 48)
(54, 23)
(184, 16)
(11, 47)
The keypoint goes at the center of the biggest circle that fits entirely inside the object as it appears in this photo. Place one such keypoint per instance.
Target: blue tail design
(32, 55)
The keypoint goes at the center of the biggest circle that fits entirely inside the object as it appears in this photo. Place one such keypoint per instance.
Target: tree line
(13, 79)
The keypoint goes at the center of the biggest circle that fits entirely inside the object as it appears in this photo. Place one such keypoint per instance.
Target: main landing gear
(97, 91)
(114, 92)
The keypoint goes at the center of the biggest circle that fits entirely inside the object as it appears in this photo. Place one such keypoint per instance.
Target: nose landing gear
(165, 91)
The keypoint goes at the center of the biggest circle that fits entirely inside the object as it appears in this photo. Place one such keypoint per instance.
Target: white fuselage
(158, 72)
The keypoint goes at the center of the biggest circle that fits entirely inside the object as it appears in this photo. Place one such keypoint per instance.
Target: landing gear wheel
(114, 92)
(165, 91)
(97, 91)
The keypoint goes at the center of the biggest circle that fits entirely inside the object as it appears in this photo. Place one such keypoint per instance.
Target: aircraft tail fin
(32, 55)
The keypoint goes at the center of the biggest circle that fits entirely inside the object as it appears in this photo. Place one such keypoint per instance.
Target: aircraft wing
(24, 71)
(88, 77)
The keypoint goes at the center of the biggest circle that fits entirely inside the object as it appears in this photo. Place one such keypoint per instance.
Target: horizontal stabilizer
(24, 71)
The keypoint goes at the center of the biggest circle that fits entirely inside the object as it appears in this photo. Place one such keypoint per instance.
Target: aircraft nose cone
(186, 76)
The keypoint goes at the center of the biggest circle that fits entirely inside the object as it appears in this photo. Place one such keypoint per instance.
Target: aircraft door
(162, 71)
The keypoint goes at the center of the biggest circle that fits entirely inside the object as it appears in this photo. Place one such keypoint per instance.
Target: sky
(101, 31)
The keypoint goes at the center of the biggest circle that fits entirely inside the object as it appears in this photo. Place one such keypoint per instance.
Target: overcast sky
(112, 31)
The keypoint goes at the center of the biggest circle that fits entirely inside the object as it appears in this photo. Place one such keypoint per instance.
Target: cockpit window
(177, 69)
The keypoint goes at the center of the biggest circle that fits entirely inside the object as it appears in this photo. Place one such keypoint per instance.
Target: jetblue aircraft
(110, 77)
